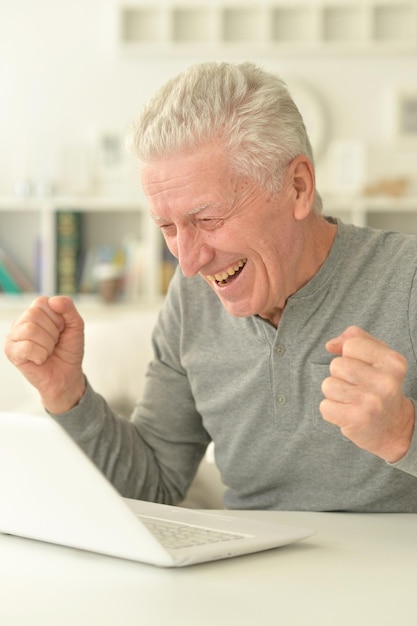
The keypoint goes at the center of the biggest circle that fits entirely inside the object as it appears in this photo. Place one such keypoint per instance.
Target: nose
(191, 251)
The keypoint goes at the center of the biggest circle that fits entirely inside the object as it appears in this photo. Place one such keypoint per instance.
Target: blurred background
(75, 73)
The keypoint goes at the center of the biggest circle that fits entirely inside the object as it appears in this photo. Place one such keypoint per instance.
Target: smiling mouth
(229, 274)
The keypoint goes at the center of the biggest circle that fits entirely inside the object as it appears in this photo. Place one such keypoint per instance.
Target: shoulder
(371, 244)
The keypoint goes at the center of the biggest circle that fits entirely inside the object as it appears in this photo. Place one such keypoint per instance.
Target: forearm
(153, 469)
(110, 442)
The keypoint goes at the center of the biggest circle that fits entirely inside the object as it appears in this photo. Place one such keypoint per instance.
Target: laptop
(51, 491)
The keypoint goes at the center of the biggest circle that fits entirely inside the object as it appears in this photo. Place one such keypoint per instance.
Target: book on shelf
(12, 279)
(84, 270)
(68, 251)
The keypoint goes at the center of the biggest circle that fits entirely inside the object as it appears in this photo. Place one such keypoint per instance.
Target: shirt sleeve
(154, 455)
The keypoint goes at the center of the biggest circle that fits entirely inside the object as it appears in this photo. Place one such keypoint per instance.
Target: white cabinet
(28, 236)
(290, 26)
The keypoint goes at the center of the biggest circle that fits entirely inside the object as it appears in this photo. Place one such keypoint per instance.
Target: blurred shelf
(115, 226)
(283, 26)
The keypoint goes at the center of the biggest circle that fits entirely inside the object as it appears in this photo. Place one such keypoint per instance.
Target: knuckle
(399, 363)
(325, 385)
(337, 366)
(323, 408)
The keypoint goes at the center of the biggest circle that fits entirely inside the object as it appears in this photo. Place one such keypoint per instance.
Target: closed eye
(206, 223)
(211, 223)
(168, 230)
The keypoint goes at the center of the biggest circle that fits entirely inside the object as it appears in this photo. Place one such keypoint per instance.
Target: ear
(302, 181)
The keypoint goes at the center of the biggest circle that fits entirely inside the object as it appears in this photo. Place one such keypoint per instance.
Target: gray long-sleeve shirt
(255, 391)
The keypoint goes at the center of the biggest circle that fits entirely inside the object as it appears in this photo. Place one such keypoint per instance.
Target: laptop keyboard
(174, 536)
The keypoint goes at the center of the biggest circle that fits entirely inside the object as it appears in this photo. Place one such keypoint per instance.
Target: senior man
(288, 338)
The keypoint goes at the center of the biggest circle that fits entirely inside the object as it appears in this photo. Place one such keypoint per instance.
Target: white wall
(64, 82)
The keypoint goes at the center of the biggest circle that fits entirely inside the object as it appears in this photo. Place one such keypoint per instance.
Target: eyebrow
(156, 218)
(190, 212)
(202, 207)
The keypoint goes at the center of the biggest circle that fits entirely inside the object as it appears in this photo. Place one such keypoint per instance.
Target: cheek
(267, 266)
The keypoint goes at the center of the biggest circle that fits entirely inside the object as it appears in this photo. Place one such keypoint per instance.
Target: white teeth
(229, 272)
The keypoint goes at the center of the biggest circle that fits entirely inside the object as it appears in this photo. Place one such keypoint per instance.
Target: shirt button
(281, 399)
(280, 349)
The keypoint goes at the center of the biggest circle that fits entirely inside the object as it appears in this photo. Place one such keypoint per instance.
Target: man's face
(241, 240)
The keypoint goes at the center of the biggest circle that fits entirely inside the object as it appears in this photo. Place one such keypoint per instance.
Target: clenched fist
(364, 394)
(46, 343)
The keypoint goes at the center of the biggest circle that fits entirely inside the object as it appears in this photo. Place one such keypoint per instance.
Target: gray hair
(248, 109)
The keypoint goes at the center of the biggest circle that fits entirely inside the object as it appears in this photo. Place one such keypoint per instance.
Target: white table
(358, 569)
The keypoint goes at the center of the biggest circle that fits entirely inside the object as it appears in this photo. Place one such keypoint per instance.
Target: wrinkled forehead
(193, 172)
